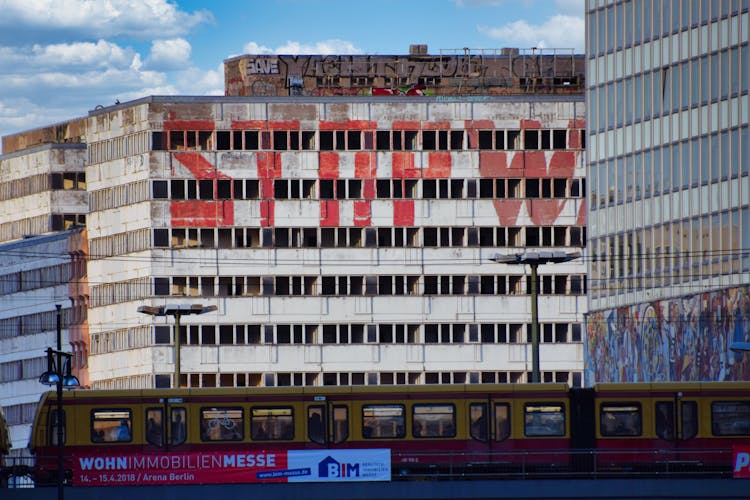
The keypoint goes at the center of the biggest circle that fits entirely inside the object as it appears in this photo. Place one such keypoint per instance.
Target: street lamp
(176, 310)
(59, 374)
(534, 260)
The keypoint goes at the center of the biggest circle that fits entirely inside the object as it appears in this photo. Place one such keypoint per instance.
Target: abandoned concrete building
(332, 235)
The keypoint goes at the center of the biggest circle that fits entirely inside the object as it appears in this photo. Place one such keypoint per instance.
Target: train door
(166, 424)
(489, 429)
(327, 423)
(676, 423)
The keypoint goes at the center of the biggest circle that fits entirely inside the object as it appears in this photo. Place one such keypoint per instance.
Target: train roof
(313, 391)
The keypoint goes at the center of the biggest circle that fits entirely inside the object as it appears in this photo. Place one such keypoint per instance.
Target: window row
(12, 371)
(368, 140)
(689, 84)
(368, 237)
(118, 147)
(299, 379)
(279, 423)
(630, 23)
(367, 285)
(119, 196)
(132, 241)
(40, 183)
(33, 279)
(20, 228)
(340, 189)
(625, 419)
(31, 324)
(344, 333)
(20, 414)
(676, 252)
(670, 168)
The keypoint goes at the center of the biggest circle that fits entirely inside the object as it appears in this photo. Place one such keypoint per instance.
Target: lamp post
(60, 376)
(176, 310)
(534, 260)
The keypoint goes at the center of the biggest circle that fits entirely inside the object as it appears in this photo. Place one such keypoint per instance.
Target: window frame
(238, 435)
(553, 408)
(117, 415)
(621, 428)
(424, 424)
(400, 429)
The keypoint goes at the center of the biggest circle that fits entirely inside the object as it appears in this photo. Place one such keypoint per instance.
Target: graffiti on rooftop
(465, 73)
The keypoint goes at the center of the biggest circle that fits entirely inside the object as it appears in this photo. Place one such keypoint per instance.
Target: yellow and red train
(248, 434)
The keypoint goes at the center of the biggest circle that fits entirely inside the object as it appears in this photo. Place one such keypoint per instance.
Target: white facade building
(342, 240)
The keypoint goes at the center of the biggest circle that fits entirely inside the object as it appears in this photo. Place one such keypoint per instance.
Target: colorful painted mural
(683, 339)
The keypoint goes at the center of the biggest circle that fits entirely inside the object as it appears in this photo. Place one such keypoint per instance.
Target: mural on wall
(682, 339)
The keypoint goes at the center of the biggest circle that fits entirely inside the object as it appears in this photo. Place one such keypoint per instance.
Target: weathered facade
(343, 240)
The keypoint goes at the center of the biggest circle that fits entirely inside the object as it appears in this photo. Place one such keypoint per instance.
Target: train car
(194, 436)
(112, 437)
(670, 427)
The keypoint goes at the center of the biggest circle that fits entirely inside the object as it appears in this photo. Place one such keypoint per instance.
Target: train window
(433, 420)
(178, 428)
(111, 425)
(620, 419)
(665, 420)
(730, 418)
(478, 421)
(544, 419)
(383, 421)
(222, 424)
(53, 427)
(154, 426)
(272, 424)
(502, 421)
(689, 415)
(340, 424)
(315, 426)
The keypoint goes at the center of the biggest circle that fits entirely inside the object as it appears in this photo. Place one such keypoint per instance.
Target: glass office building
(669, 192)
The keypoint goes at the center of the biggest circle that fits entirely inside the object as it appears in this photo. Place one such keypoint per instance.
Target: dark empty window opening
(531, 139)
(326, 140)
(485, 139)
(559, 139)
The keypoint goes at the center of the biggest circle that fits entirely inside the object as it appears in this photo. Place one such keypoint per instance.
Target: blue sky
(61, 58)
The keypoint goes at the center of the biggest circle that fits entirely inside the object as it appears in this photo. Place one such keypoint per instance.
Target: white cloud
(99, 54)
(169, 54)
(193, 81)
(332, 46)
(557, 32)
(59, 19)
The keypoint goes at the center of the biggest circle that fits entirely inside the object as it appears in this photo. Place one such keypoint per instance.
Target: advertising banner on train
(741, 455)
(216, 467)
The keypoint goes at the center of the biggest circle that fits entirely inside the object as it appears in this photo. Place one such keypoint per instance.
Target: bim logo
(329, 467)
